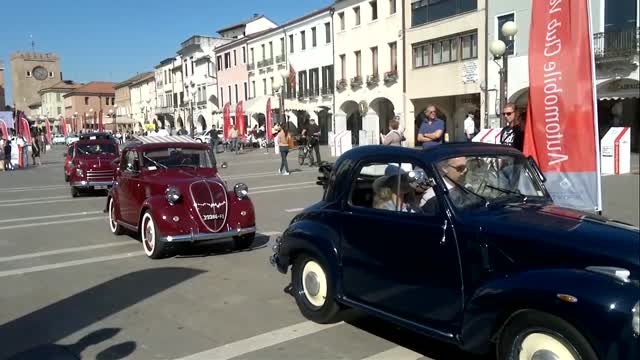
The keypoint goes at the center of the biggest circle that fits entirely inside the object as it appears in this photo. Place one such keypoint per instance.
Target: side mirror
(535, 166)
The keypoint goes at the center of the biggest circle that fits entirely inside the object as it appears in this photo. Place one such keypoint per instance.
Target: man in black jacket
(513, 134)
(312, 132)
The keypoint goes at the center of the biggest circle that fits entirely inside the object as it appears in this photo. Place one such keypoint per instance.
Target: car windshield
(96, 149)
(489, 180)
(177, 158)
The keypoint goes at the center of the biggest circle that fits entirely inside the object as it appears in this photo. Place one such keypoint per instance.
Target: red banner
(561, 130)
(5, 132)
(269, 120)
(226, 117)
(63, 126)
(47, 126)
(240, 120)
(26, 131)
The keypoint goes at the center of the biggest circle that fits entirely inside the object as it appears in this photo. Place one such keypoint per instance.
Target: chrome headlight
(241, 190)
(173, 195)
(635, 321)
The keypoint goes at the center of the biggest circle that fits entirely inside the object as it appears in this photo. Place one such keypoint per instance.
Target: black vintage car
(464, 244)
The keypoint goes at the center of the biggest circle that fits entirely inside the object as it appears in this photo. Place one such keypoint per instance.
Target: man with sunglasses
(512, 135)
(432, 129)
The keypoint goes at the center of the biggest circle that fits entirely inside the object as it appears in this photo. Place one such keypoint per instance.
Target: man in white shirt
(469, 127)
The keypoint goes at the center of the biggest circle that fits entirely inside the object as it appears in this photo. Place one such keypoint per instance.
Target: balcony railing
(341, 84)
(303, 94)
(356, 82)
(251, 67)
(261, 64)
(314, 93)
(326, 91)
(613, 44)
(268, 62)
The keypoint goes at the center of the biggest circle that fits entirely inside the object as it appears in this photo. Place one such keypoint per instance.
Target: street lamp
(499, 50)
(192, 97)
(92, 118)
(75, 122)
(278, 87)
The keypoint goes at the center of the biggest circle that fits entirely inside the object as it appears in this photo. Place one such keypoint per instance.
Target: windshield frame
(80, 152)
(545, 198)
(144, 154)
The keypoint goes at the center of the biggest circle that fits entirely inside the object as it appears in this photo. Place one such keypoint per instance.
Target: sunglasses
(459, 168)
(507, 113)
(431, 112)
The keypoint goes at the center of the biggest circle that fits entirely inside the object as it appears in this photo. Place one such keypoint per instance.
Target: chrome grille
(99, 175)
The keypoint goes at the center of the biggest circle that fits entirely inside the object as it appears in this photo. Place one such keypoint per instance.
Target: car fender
(602, 316)
(310, 237)
(163, 213)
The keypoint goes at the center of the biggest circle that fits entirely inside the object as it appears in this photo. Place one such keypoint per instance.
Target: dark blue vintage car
(464, 244)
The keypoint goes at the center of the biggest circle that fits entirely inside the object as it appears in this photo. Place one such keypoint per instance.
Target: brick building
(83, 106)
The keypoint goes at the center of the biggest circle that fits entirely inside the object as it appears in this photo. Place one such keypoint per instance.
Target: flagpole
(595, 111)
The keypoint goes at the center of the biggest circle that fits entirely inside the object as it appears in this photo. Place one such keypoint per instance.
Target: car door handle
(444, 233)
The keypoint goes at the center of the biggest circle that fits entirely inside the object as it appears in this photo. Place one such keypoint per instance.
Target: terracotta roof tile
(94, 87)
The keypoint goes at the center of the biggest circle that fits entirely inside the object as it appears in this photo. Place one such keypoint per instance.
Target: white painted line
(294, 210)
(277, 190)
(35, 189)
(50, 216)
(258, 342)
(65, 251)
(282, 185)
(396, 353)
(45, 202)
(52, 223)
(32, 199)
(67, 264)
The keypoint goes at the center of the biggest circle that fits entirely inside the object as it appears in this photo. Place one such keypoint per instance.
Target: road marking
(52, 223)
(261, 341)
(45, 202)
(396, 353)
(282, 185)
(50, 216)
(32, 199)
(67, 264)
(277, 190)
(65, 251)
(294, 210)
(258, 175)
(37, 188)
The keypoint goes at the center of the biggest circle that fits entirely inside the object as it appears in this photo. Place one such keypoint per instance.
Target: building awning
(619, 89)
(124, 120)
(258, 105)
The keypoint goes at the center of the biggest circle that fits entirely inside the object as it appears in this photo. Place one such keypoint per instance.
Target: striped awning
(165, 139)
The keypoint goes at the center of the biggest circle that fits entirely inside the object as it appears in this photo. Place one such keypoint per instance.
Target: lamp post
(278, 87)
(192, 98)
(92, 118)
(499, 50)
(75, 122)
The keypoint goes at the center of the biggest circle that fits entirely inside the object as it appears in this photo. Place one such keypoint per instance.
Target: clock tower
(31, 72)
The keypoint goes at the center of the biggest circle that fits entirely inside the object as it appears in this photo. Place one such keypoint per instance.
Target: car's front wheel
(313, 289)
(151, 244)
(116, 228)
(535, 335)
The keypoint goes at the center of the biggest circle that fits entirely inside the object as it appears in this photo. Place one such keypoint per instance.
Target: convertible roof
(164, 139)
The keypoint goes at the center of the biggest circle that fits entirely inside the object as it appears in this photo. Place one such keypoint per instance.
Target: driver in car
(454, 172)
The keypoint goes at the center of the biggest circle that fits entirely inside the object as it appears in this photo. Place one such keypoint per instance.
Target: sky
(112, 40)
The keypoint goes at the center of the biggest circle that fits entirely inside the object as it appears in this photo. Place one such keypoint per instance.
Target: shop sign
(470, 71)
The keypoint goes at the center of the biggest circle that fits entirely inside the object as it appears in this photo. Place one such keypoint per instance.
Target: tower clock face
(40, 73)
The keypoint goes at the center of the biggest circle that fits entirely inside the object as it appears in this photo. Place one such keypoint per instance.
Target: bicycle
(305, 151)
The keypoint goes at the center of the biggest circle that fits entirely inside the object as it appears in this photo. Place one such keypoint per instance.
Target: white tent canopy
(259, 105)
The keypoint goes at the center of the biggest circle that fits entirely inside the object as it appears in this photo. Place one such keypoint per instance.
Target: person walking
(283, 140)
(312, 132)
(233, 135)
(431, 131)
(512, 135)
(469, 127)
(394, 137)
(35, 151)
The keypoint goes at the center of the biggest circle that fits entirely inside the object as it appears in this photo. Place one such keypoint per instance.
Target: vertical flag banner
(5, 132)
(240, 119)
(100, 126)
(84, 121)
(269, 124)
(63, 126)
(226, 117)
(26, 131)
(47, 126)
(561, 130)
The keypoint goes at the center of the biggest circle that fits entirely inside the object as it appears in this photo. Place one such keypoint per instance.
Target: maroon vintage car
(92, 165)
(168, 189)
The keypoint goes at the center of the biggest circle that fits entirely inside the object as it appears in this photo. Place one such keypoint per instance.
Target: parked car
(92, 166)
(58, 139)
(71, 138)
(463, 243)
(206, 136)
(168, 189)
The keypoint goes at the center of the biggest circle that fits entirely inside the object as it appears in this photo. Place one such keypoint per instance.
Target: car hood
(181, 177)
(556, 236)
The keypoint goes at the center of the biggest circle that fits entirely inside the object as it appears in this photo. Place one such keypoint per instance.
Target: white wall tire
(151, 244)
(115, 228)
(313, 289)
(533, 335)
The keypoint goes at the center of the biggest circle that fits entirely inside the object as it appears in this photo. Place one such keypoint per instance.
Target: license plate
(100, 187)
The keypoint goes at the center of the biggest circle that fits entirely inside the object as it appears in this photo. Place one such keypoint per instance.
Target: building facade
(3, 102)
(143, 101)
(85, 104)
(200, 82)
(52, 98)
(31, 72)
(444, 63)
(165, 110)
(368, 68)
(615, 27)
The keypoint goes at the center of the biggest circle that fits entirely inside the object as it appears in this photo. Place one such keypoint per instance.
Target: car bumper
(222, 236)
(277, 260)
(91, 184)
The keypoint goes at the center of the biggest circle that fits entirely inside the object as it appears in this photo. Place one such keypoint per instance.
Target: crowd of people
(18, 145)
